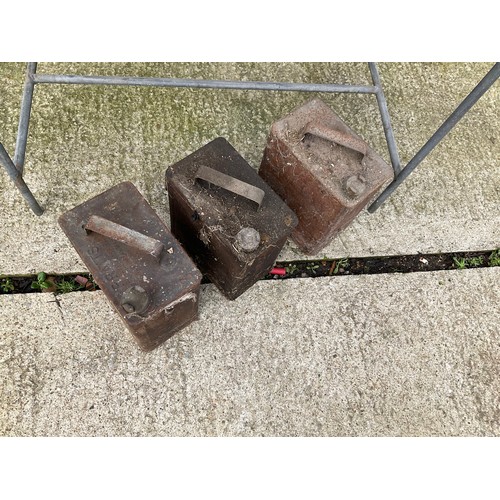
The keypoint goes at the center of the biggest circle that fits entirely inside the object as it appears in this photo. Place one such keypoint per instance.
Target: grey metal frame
(15, 167)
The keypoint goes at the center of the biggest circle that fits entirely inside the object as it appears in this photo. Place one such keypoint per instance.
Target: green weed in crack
(341, 263)
(67, 286)
(312, 267)
(494, 258)
(41, 282)
(467, 262)
(6, 285)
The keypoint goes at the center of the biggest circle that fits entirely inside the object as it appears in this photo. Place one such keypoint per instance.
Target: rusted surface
(208, 220)
(125, 235)
(231, 184)
(323, 170)
(155, 295)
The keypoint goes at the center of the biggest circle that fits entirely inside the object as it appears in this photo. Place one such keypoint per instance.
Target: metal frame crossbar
(15, 166)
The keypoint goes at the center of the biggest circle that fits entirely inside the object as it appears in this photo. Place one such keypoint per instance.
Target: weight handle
(231, 184)
(335, 136)
(124, 235)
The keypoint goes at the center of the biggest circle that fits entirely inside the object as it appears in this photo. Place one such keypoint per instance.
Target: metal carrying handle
(231, 184)
(125, 235)
(335, 136)
(355, 185)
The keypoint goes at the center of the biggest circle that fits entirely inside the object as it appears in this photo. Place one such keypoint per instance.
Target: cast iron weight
(229, 220)
(136, 261)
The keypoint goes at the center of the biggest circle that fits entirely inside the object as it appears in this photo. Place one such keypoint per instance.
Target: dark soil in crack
(58, 284)
(291, 269)
(392, 264)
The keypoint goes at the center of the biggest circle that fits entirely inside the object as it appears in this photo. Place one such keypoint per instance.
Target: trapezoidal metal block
(324, 171)
(137, 262)
(229, 220)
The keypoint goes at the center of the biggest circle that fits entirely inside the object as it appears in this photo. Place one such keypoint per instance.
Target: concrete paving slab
(83, 140)
(383, 355)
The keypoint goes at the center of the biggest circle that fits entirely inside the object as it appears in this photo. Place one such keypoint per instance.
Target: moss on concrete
(85, 139)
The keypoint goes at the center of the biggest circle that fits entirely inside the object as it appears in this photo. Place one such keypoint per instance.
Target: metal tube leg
(451, 121)
(386, 120)
(24, 118)
(18, 180)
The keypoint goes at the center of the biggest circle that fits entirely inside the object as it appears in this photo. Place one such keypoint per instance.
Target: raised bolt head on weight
(355, 185)
(135, 299)
(248, 239)
(128, 307)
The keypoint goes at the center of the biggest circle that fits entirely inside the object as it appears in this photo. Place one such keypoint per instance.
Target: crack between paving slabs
(341, 266)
